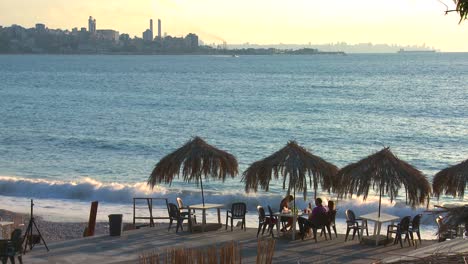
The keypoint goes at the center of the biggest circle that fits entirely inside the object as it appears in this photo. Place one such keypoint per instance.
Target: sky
(403, 22)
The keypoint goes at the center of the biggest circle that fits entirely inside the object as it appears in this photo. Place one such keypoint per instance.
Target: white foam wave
(68, 201)
(83, 189)
(88, 189)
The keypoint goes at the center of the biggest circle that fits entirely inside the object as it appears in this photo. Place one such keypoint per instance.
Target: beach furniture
(11, 248)
(237, 211)
(264, 221)
(182, 209)
(331, 223)
(297, 167)
(204, 208)
(386, 174)
(352, 223)
(452, 180)
(174, 215)
(399, 230)
(378, 219)
(444, 230)
(274, 219)
(414, 228)
(320, 221)
(138, 210)
(196, 160)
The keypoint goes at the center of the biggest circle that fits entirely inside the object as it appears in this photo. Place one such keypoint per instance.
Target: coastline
(55, 231)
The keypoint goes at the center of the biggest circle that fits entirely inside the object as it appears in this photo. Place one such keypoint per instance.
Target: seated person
(331, 206)
(284, 208)
(314, 219)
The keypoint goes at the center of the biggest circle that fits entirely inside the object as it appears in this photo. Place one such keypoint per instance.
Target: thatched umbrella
(451, 180)
(198, 159)
(297, 167)
(385, 173)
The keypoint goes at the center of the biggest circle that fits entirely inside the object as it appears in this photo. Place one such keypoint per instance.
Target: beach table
(6, 229)
(205, 207)
(378, 221)
(289, 215)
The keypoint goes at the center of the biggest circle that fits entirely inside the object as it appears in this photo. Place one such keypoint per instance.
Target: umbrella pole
(380, 198)
(202, 195)
(294, 216)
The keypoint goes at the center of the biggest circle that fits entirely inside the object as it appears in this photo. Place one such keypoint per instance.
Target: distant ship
(415, 51)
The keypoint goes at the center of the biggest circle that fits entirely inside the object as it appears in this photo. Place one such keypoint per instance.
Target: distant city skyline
(403, 22)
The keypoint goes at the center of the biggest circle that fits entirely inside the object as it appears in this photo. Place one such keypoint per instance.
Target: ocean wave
(88, 189)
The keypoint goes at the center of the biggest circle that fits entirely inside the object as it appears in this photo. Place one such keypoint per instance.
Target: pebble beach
(56, 231)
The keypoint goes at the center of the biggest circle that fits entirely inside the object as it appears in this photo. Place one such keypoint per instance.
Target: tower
(91, 25)
(159, 28)
(151, 29)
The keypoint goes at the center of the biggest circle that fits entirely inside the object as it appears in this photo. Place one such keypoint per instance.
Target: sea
(80, 128)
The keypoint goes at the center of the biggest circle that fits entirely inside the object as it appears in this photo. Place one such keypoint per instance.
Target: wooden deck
(126, 248)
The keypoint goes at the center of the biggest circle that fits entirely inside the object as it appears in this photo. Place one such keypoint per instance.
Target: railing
(151, 217)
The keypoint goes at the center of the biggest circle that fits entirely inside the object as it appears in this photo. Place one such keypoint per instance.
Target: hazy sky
(405, 22)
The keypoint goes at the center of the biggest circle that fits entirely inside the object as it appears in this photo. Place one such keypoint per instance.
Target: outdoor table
(6, 226)
(204, 208)
(294, 217)
(378, 222)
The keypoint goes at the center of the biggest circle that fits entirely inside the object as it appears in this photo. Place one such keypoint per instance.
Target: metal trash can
(115, 224)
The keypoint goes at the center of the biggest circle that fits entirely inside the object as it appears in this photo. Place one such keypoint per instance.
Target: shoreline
(55, 231)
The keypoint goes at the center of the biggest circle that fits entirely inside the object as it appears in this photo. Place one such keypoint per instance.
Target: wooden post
(92, 219)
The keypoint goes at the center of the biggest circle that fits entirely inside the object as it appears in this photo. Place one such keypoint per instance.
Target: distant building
(151, 28)
(147, 35)
(108, 34)
(159, 29)
(40, 27)
(192, 41)
(91, 25)
(83, 30)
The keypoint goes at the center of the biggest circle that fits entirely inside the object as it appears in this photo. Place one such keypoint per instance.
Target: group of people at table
(311, 218)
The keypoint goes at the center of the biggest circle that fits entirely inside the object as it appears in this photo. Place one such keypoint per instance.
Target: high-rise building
(40, 27)
(147, 35)
(108, 34)
(159, 29)
(151, 29)
(91, 25)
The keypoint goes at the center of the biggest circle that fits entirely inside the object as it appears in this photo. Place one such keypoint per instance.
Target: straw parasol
(297, 167)
(196, 159)
(385, 173)
(451, 180)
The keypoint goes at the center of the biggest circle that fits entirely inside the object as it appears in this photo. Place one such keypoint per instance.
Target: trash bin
(115, 224)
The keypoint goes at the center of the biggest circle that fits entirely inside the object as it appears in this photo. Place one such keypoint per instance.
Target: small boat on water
(235, 56)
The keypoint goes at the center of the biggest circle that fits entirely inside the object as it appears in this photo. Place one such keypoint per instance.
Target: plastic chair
(238, 211)
(320, 221)
(180, 203)
(264, 221)
(444, 230)
(11, 248)
(399, 230)
(273, 218)
(331, 223)
(414, 228)
(174, 214)
(353, 223)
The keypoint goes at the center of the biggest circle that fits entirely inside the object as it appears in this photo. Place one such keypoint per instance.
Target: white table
(204, 208)
(6, 228)
(378, 222)
(290, 215)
